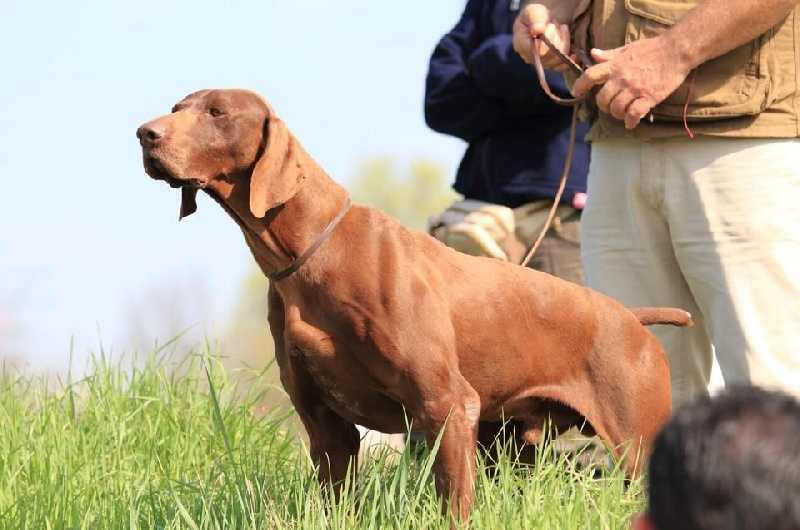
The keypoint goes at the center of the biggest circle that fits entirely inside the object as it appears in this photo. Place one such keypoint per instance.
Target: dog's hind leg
(631, 417)
(653, 398)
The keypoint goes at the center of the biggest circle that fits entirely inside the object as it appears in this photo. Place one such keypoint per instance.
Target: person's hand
(533, 21)
(634, 79)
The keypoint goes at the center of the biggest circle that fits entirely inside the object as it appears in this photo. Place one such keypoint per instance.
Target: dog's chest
(339, 388)
(342, 380)
(350, 392)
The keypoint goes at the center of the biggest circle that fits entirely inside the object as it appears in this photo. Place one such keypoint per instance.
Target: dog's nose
(149, 134)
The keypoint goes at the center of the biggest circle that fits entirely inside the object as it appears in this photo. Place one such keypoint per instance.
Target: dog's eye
(214, 111)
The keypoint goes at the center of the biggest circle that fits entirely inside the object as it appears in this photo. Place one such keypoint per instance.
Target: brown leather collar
(298, 262)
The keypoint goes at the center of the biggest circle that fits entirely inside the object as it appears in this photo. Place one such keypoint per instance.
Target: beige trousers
(711, 225)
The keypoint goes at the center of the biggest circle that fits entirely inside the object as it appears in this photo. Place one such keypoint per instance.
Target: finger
(523, 41)
(636, 111)
(606, 95)
(603, 56)
(619, 105)
(559, 37)
(536, 17)
(553, 35)
(566, 39)
(596, 75)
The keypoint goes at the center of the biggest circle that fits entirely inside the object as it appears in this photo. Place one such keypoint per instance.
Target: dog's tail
(666, 316)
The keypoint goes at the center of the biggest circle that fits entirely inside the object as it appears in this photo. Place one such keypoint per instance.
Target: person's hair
(731, 462)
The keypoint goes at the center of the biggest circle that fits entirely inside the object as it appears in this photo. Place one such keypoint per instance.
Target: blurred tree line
(411, 195)
(13, 300)
(9, 333)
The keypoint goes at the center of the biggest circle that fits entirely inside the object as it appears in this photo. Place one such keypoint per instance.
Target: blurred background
(91, 253)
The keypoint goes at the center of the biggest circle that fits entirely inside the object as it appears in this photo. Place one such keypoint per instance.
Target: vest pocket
(733, 85)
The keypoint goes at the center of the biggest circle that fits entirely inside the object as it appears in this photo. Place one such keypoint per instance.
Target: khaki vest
(752, 91)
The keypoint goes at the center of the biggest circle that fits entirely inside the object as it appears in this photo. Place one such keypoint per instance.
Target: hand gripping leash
(575, 103)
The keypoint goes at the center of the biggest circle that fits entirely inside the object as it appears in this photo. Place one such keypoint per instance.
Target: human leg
(627, 253)
(735, 228)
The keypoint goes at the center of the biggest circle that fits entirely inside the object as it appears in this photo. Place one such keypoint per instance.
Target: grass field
(157, 447)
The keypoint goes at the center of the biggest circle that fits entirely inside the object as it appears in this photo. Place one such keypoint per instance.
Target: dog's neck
(285, 232)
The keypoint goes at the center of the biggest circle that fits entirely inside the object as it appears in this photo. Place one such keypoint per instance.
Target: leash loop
(575, 103)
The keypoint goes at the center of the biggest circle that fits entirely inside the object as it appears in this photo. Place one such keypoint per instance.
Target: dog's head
(221, 134)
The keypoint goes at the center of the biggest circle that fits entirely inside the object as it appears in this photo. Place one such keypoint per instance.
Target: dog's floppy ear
(188, 202)
(276, 175)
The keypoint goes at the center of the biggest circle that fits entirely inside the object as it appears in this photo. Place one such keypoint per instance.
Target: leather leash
(575, 103)
(321, 238)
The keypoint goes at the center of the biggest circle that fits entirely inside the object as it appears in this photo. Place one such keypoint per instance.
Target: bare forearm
(716, 27)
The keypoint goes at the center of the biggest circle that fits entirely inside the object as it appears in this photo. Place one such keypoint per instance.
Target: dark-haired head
(731, 462)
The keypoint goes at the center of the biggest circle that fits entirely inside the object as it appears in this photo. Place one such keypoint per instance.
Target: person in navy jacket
(478, 89)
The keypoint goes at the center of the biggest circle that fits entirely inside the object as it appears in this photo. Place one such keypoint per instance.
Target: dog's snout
(149, 134)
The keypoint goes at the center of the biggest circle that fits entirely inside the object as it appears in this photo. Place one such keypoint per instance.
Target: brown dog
(382, 322)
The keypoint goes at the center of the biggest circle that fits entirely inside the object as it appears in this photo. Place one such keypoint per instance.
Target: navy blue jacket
(481, 91)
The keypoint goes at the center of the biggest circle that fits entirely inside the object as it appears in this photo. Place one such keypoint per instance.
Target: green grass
(157, 447)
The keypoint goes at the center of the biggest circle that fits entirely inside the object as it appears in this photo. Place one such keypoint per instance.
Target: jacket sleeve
(453, 103)
(498, 71)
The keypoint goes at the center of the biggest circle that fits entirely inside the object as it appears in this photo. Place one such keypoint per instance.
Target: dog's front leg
(334, 446)
(334, 441)
(453, 412)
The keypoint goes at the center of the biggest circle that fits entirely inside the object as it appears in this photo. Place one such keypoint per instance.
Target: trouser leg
(735, 228)
(627, 254)
(560, 251)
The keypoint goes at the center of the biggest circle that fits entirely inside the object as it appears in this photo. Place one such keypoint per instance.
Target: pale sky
(86, 238)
